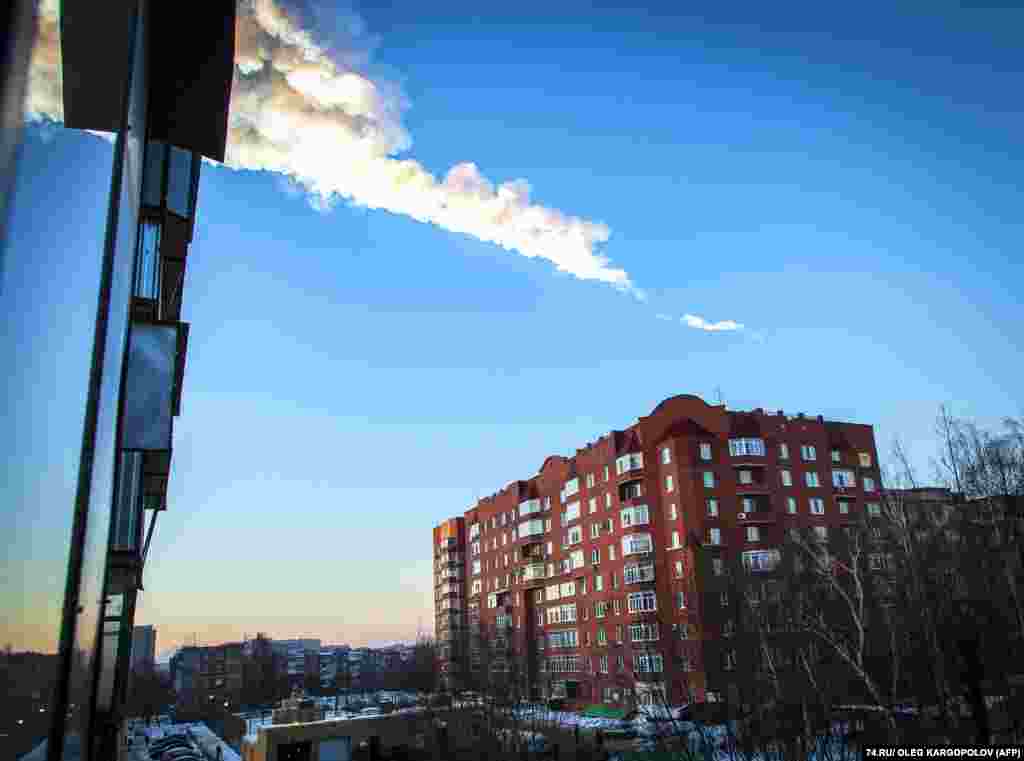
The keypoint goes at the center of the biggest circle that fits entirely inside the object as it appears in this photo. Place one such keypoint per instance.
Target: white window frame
(635, 544)
(869, 484)
(670, 485)
(791, 506)
(808, 453)
(753, 533)
(816, 505)
(746, 447)
(645, 601)
(714, 536)
(812, 479)
(709, 479)
(666, 455)
(783, 450)
(712, 507)
(786, 476)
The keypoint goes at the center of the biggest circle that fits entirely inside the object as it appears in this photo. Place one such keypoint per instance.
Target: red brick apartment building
(605, 569)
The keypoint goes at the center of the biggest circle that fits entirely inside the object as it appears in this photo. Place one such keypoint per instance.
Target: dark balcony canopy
(190, 60)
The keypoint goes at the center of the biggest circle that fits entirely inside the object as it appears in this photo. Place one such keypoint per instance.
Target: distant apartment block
(605, 573)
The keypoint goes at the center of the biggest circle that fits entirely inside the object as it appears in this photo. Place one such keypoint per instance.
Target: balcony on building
(629, 466)
(632, 488)
(756, 508)
(761, 561)
(638, 573)
(527, 529)
(747, 451)
(533, 573)
(530, 507)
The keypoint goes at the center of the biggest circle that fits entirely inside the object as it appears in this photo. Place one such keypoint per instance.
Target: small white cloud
(693, 321)
(666, 317)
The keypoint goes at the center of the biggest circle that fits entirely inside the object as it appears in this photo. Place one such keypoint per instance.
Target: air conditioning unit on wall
(741, 516)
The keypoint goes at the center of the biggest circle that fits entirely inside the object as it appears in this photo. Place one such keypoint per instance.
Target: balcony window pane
(149, 380)
(129, 502)
(179, 182)
(147, 267)
(153, 178)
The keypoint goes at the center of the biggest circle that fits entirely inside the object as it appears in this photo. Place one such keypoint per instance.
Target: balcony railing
(530, 507)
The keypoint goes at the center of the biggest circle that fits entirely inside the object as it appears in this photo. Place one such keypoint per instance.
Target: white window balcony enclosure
(571, 513)
(844, 479)
(534, 572)
(571, 487)
(638, 573)
(530, 507)
(529, 528)
(474, 531)
(634, 544)
(746, 447)
(761, 561)
(636, 515)
(629, 463)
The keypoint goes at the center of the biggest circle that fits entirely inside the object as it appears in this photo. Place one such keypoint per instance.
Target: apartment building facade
(602, 577)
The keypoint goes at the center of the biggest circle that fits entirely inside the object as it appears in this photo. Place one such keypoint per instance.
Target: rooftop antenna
(718, 390)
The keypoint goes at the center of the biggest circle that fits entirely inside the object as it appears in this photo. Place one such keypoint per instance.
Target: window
(746, 447)
(633, 544)
(476, 567)
(808, 453)
(728, 627)
(562, 614)
(611, 552)
(666, 455)
(753, 533)
(791, 505)
(572, 513)
(575, 535)
(675, 539)
(617, 610)
(820, 533)
(620, 662)
(564, 638)
(598, 583)
(607, 500)
(634, 516)
(715, 535)
(669, 485)
(787, 477)
(634, 574)
(645, 632)
(628, 462)
(547, 504)
(761, 560)
(583, 586)
(492, 600)
(615, 581)
(746, 477)
(843, 479)
(600, 610)
(749, 505)
(648, 663)
(709, 479)
(836, 457)
(595, 530)
(602, 661)
(592, 505)
(571, 487)
(474, 548)
(678, 568)
(874, 509)
(610, 525)
(477, 587)
(590, 480)
(844, 507)
(729, 660)
(552, 592)
(783, 451)
(567, 588)
(717, 566)
(595, 556)
(673, 512)
(576, 559)
(811, 479)
(641, 602)
(705, 451)
(712, 508)
(606, 473)
(817, 505)
(865, 459)
(869, 484)
(681, 600)
(723, 599)
(547, 524)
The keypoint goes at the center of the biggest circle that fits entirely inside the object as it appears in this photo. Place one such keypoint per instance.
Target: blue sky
(845, 184)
